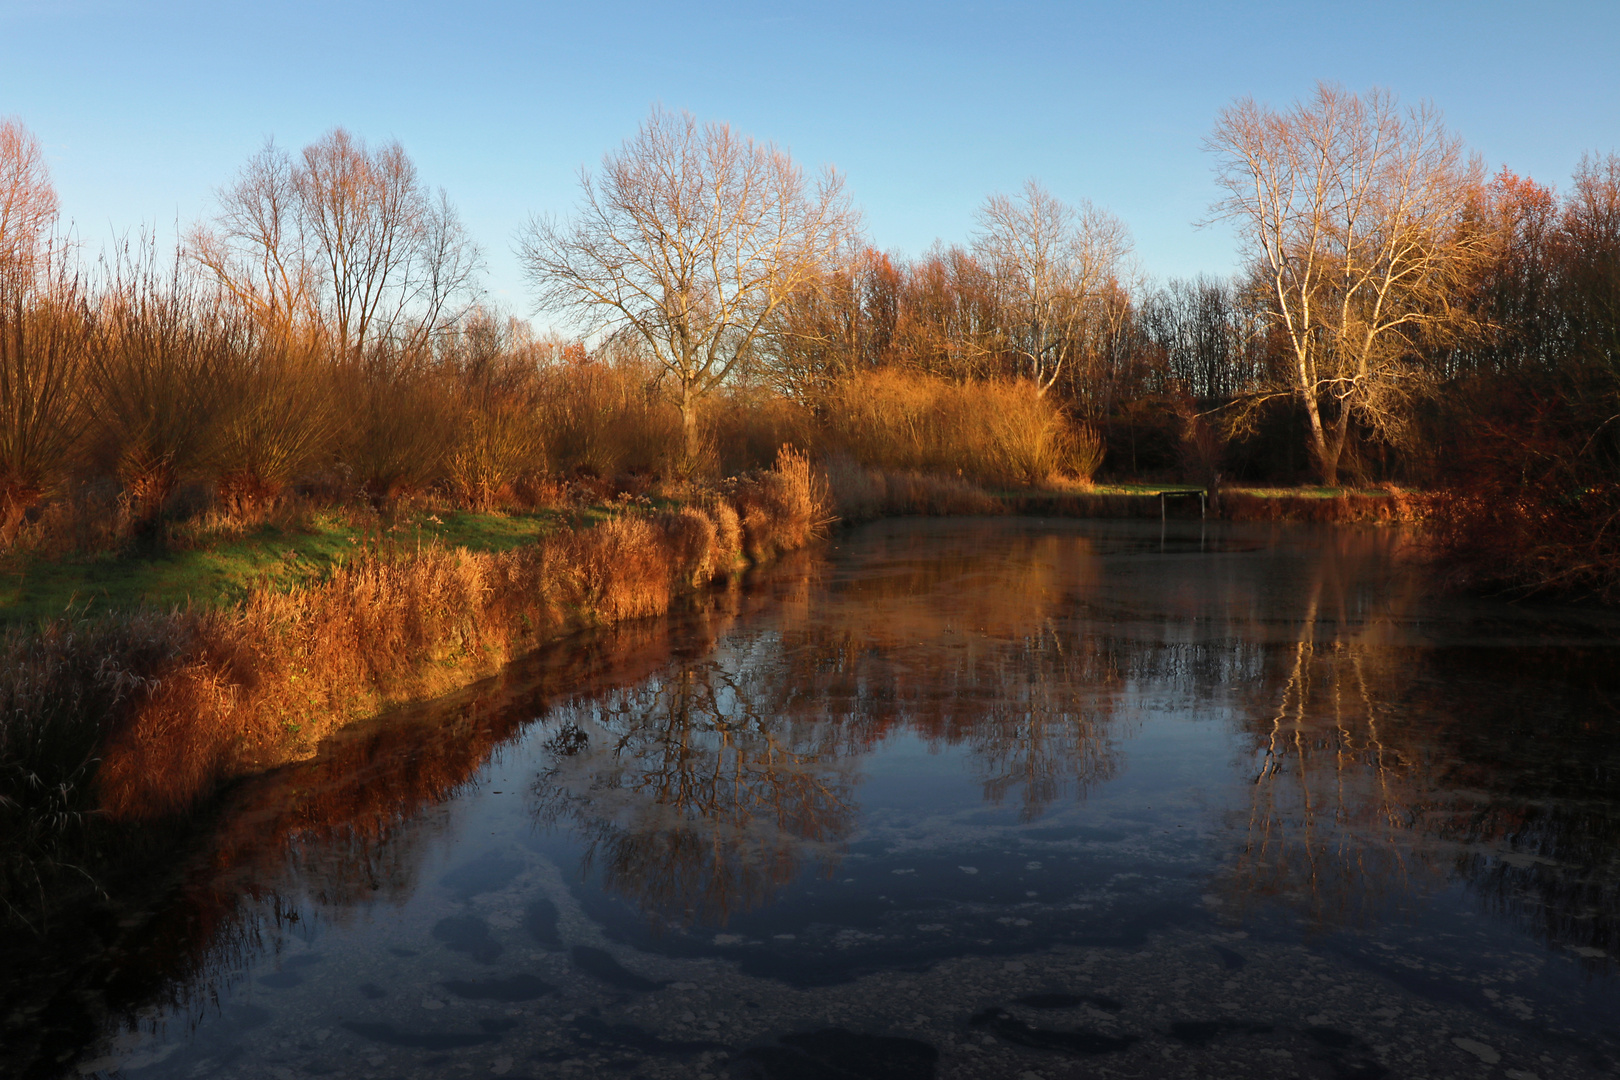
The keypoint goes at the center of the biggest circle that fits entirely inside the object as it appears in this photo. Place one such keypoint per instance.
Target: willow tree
(690, 240)
(1357, 218)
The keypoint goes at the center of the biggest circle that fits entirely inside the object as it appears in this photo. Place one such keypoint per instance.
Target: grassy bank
(137, 715)
(182, 670)
(218, 566)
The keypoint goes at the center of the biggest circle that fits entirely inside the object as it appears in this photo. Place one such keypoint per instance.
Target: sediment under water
(952, 798)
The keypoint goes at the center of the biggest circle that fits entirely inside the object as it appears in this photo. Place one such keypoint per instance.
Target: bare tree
(1355, 215)
(1051, 263)
(344, 237)
(27, 199)
(41, 332)
(690, 240)
(257, 247)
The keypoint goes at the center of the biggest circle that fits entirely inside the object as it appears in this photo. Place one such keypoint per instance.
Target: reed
(857, 493)
(995, 431)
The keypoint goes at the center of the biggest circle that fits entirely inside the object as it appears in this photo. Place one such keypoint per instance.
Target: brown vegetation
(139, 716)
(995, 432)
(1345, 508)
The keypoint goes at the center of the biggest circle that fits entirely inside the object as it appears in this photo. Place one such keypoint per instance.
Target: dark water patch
(540, 920)
(600, 964)
(419, 1040)
(372, 991)
(468, 934)
(1231, 960)
(244, 1017)
(1004, 1025)
(1203, 1033)
(281, 980)
(1363, 1069)
(509, 989)
(487, 873)
(1056, 1000)
(838, 1054)
(1332, 1038)
(594, 1031)
(403, 954)
(828, 932)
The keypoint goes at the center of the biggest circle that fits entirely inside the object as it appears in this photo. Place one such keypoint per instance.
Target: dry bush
(277, 417)
(603, 419)
(781, 509)
(1085, 453)
(857, 493)
(43, 340)
(399, 425)
(1399, 508)
(728, 534)
(936, 496)
(993, 431)
(158, 347)
(496, 447)
(744, 430)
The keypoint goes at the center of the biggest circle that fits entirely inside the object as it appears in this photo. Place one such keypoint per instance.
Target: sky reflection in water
(1233, 791)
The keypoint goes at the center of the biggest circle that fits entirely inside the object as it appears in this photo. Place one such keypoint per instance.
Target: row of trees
(1390, 292)
(1368, 233)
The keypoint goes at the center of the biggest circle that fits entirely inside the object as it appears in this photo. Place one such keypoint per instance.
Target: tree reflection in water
(1388, 745)
(1382, 769)
(704, 792)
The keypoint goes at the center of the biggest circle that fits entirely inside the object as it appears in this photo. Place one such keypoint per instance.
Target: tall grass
(992, 431)
(603, 420)
(857, 493)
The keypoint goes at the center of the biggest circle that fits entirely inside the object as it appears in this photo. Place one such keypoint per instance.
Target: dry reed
(991, 431)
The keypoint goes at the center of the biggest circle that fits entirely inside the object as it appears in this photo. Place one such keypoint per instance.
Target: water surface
(952, 798)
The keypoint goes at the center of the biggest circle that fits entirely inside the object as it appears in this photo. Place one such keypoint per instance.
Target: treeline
(323, 336)
(1402, 319)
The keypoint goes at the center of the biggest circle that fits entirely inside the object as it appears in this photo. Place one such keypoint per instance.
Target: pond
(956, 798)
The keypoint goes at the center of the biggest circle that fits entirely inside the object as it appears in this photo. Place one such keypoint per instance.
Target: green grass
(220, 573)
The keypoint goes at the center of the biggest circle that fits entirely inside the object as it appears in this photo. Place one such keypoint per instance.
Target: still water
(986, 798)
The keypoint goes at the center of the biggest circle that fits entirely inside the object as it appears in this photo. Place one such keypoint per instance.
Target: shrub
(602, 419)
(276, 419)
(158, 347)
(993, 431)
(42, 348)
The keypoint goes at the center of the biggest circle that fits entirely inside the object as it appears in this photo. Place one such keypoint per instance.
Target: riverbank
(1337, 506)
(141, 715)
(137, 714)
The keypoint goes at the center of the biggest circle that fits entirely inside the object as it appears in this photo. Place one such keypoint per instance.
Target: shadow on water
(931, 741)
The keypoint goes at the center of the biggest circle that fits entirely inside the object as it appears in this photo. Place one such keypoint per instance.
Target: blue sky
(146, 108)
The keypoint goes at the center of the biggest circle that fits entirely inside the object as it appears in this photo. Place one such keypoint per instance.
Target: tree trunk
(1325, 455)
(689, 429)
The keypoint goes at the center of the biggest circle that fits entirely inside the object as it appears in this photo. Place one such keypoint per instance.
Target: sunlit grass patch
(221, 572)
